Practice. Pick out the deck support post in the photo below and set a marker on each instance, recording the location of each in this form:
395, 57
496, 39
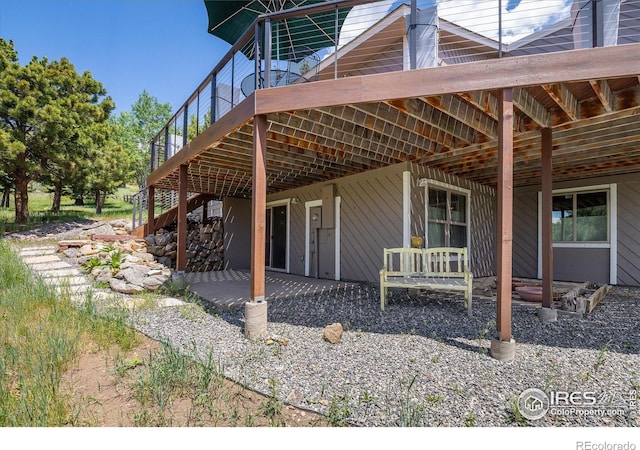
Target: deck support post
546, 313
151, 206
256, 308
181, 256
503, 347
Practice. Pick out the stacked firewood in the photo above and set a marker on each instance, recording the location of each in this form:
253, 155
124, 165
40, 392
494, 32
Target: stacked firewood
205, 246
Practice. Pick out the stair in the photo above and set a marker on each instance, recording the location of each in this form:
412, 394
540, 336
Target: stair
169, 216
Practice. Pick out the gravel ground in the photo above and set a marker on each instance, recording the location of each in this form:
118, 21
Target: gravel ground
421, 362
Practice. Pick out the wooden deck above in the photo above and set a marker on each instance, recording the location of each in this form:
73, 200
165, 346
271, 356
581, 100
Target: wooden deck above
443, 117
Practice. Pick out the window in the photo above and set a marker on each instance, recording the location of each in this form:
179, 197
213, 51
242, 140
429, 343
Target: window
580, 217
447, 221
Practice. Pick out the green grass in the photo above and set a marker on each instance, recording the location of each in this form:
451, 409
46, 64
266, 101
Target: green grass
40, 210
41, 332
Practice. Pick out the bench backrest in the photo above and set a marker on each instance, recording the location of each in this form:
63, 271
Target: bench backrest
432, 262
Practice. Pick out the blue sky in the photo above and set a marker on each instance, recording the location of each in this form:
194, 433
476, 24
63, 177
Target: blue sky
128, 45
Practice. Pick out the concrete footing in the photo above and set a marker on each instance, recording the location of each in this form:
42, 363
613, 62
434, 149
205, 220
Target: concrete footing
548, 314
255, 320
503, 350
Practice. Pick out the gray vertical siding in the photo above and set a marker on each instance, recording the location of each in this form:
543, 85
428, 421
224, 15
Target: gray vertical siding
371, 219
482, 220
236, 214
525, 233
525, 239
629, 233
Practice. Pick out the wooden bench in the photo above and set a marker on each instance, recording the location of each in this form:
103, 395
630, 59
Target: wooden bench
443, 268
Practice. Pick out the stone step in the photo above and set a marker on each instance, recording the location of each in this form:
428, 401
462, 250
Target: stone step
60, 273
40, 259
53, 265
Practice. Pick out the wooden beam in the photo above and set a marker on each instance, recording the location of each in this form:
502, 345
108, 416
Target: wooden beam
547, 209
258, 208
181, 257
531, 107
604, 93
151, 209
505, 213
558, 67
560, 94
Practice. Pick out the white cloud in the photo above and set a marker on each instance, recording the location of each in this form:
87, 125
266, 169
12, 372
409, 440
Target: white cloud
480, 17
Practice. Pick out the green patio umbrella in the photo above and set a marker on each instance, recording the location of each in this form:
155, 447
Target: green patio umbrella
228, 20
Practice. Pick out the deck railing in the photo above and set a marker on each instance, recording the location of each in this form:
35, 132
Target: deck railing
363, 37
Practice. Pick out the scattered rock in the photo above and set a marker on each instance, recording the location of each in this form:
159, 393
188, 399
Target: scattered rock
135, 274
71, 252
102, 274
294, 397
162, 238
100, 229
118, 223
123, 287
333, 333
88, 250
154, 282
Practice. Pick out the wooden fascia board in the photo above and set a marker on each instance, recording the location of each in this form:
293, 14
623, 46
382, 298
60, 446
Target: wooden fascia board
522, 71
234, 119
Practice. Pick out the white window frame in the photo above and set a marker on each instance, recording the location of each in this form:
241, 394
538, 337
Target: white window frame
612, 226
440, 185
287, 203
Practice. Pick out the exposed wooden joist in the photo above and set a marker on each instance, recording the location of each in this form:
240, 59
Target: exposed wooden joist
423, 136
483, 100
604, 93
410, 132
434, 117
350, 146
454, 107
561, 95
531, 107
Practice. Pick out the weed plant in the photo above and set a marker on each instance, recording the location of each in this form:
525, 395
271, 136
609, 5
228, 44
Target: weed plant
41, 333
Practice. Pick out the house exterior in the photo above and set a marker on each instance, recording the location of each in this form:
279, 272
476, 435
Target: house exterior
527, 153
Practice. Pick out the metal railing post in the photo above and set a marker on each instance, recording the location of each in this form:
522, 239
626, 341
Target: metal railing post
214, 96
133, 211
154, 162
267, 53
335, 52
166, 144
256, 46
198, 114
140, 207
185, 125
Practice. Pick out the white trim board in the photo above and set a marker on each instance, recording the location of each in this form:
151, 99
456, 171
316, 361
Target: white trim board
286, 202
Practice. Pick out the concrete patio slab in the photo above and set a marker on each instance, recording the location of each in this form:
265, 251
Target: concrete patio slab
230, 288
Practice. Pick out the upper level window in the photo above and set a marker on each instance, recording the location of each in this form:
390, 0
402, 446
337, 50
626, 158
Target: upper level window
580, 217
